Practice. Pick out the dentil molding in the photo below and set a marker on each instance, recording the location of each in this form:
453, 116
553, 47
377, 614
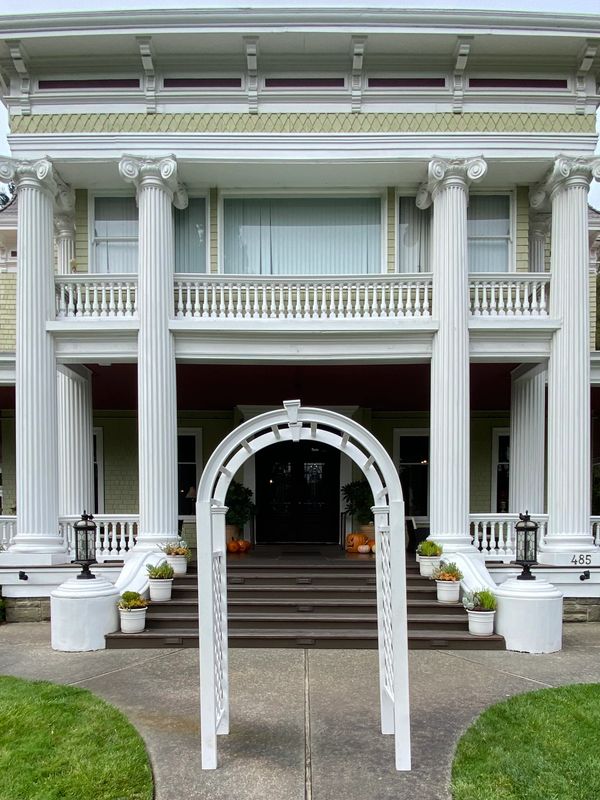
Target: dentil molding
158, 171
442, 172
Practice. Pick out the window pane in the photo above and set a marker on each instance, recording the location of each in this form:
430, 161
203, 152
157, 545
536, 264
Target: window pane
304, 236
488, 231
414, 229
504, 449
190, 236
414, 480
186, 497
116, 257
414, 449
186, 448
115, 216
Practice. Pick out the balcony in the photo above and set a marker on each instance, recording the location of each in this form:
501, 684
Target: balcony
509, 294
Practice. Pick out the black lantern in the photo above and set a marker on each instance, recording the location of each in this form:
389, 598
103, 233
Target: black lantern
85, 544
526, 533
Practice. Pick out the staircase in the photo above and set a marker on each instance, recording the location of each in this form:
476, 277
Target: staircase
305, 603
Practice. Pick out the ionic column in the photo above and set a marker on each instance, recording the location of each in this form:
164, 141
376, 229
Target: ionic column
447, 188
539, 227
158, 189
64, 227
527, 440
75, 441
569, 445
37, 540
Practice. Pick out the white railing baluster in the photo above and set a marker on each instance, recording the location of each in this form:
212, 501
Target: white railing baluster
510, 295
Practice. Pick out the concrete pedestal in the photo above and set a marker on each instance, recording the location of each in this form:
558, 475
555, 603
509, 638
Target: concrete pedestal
82, 612
529, 615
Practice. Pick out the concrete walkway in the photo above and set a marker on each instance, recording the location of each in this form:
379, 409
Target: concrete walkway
304, 724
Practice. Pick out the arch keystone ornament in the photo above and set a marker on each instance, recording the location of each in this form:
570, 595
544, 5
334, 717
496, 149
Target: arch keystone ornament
293, 423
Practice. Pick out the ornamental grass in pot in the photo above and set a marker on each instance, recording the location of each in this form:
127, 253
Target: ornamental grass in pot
447, 578
132, 611
481, 609
429, 553
161, 581
177, 554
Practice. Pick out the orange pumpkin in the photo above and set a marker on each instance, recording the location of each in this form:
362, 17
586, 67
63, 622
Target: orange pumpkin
233, 546
353, 540
244, 545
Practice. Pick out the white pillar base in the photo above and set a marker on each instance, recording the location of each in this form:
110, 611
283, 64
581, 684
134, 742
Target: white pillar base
455, 543
529, 615
569, 551
31, 558
149, 542
82, 612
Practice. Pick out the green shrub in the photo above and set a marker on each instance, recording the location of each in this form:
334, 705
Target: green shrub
239, 504
130, 600
160, 572
359, 500
429, 548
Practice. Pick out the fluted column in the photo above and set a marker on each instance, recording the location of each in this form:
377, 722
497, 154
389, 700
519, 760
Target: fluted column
64, 227
527, 440
158, 189
75, 441
447, 188
569, 444
37, 540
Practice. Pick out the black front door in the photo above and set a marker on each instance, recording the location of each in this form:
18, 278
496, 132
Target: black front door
297, 493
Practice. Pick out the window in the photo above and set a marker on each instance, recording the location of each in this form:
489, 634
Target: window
411, 454
302, 236
115, 242
500, 470
488, 233
414, 232
190, 236
189, 463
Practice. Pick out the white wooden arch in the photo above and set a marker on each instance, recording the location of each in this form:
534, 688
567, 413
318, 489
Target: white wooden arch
294, 423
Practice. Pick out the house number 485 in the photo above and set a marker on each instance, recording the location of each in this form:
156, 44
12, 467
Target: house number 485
582, 560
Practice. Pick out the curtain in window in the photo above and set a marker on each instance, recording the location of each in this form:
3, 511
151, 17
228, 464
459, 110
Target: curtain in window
488, 232
414, 233
190, 236
302, 236
115, 234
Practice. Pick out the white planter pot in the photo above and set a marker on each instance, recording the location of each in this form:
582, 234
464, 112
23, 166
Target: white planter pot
448, 591
132, 620
427, 564
179, 564
481, 623
160, 589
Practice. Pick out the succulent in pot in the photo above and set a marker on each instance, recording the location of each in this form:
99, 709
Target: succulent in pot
447, 578
132, 611
429, 553
481, 610
177, 554
161, 581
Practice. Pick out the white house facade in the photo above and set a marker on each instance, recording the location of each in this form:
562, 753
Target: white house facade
382, 213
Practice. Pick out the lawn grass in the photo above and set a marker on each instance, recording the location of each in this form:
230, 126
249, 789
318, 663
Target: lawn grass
541, 745
63, 743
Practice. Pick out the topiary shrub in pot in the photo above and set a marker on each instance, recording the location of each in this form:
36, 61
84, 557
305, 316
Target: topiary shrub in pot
161, 581
177, 554
481, 609
359, 501
132, 611
447, 578
429, 553
239, 509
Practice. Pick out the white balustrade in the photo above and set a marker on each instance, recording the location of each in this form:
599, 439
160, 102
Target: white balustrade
595, 523
509, 295
494, 534
8, 529
96, 296
115, 535
222, 297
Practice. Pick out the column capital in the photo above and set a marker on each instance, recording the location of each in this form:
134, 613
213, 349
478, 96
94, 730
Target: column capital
566, 171
38, 174
64, 226
160, 172
443, 172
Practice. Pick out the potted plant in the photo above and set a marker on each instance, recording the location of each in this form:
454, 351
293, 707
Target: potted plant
481, 608
359, 501
447, 578
429, 553
177, 554
239, 509
132, 610
161, 581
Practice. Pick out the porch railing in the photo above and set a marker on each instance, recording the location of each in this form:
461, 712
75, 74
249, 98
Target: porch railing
494, 534
115, 535
595, 521
509, 295
96, 296
220, 297
8, 528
